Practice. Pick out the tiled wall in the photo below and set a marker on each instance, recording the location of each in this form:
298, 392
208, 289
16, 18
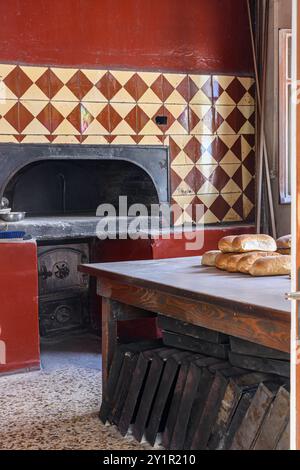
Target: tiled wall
210, 129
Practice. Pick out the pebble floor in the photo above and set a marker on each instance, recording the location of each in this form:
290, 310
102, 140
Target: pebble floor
57, 408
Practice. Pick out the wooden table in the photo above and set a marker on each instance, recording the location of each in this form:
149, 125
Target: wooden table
250, 308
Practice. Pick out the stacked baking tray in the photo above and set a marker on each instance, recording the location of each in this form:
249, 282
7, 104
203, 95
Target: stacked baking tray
185, 393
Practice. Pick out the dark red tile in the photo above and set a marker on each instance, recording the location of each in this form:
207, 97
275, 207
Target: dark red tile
43, 83
141, 119
236, 120
236, 90
55, 84
45, 117
219, 178
239, 207
199, 179
85, 85
184, 88
218, 149
108, 85
183, 119
56, 118
238, 177
18, 82
131, 119
175, 181
73, 85
114, 118
167, 88
104, 117
75, 118
174, 149
220, 208
217, 90
12, 117
25, 117
193, 150
157, 87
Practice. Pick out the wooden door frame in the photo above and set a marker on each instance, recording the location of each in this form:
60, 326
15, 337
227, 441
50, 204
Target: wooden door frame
295, 206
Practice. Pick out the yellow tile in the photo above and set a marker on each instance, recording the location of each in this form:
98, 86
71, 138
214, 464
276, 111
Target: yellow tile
94, 75
175, 78
247, 206
208, 198
231, 198
95, 140
95, 128
246, 149
231, 169
5, 139
247, 177
150, 140
64, 73
209, 218
225, 99
232, 216
207, 188
35, 139
123, 109
122, 97
66, 128
65, 139
122, 76
5, 126
33, 72
183, 170
123, 140
200, 97
65, 107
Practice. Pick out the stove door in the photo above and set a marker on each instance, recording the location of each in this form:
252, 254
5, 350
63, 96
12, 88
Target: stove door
58, 268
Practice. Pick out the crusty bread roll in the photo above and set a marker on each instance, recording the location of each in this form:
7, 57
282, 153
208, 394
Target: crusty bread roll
233, 261
284, 243
284, 251
225, 244
209, 258
246, 243
222, 260
249, 259
271, 266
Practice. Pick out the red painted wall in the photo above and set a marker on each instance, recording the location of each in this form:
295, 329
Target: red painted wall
188, 35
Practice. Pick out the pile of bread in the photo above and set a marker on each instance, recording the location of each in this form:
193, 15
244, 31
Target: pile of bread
258, 255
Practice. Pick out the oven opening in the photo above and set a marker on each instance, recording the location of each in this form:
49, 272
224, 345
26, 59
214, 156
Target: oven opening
77, 187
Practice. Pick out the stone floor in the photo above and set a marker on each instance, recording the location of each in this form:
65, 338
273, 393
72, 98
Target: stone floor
57, 407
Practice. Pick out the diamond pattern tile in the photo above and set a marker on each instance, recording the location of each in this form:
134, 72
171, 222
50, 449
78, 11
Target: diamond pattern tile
201, 119
233, 90
210, 128
234, 119
200, 89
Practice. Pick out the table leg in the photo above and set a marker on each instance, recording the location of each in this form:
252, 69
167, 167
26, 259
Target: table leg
109, 339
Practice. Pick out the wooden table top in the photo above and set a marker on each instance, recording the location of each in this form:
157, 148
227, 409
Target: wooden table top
187, 278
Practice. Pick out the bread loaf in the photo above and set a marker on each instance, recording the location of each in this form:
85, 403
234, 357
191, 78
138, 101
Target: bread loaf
271, 266
246, 243
225, 244
284, 251
284, 243
233, 261
209, 258
222, 261
249, 259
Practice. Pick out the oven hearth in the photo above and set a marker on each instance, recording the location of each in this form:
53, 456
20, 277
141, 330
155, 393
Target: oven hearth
60, 188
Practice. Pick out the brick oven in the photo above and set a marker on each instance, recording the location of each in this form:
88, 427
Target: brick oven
60, 188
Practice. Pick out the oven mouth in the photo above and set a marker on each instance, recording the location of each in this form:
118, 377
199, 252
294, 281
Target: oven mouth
78, 187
